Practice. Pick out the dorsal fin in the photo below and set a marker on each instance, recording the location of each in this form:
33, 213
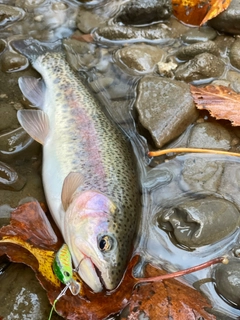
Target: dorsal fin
35, 123
72, 181
33, 89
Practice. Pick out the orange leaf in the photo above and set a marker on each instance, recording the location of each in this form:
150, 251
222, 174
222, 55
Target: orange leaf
197, 12
220, 101
35, 246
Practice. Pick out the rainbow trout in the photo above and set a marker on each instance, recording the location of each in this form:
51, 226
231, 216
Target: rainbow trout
89, 176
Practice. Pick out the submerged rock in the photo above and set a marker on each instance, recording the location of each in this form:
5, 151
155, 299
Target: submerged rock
200, 222
10, 179
203, 66
200, 175
209, 135
139, 58
165, 108
144, 11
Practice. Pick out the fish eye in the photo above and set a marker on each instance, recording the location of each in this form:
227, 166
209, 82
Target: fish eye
105, 243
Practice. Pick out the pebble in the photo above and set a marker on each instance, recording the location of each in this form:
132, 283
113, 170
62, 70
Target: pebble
235, 54
190, 51
159, 34
199, 34
203, 66
227, 279
144, 11
12, 61
139, 58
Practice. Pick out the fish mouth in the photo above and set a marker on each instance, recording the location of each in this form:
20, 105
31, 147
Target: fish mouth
91, 275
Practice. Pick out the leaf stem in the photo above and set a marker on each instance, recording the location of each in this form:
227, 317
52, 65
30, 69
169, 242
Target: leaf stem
185, 271
193, 150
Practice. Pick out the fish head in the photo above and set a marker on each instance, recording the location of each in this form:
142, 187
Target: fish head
94, 240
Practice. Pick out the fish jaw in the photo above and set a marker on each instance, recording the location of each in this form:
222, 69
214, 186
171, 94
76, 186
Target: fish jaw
87, 219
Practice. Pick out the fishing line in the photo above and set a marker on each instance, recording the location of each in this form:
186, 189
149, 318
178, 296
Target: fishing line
62, 293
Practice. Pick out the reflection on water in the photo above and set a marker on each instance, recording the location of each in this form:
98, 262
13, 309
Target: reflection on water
190, 204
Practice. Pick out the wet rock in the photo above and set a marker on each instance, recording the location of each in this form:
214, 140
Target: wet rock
229, 20
201, 222
203, 66
199, 174
235, 54
12, 61
144, 11
199, 34
127, 33
139, 58
190, 51
165, 108
224, 43
9, 14
209, 135
227, 279
21, 295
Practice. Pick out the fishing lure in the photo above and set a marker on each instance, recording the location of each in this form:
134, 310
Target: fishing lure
62, 267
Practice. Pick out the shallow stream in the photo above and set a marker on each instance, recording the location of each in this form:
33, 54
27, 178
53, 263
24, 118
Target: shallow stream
190, 203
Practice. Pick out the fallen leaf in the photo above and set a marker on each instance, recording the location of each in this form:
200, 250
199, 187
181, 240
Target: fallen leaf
170, 298
24, 243
220, 101
197, 12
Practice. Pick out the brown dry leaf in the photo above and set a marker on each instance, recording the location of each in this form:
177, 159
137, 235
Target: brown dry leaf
35, 246
220, 101
169, 299
197, 12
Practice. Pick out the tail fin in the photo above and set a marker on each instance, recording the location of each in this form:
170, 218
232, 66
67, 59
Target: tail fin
32, 48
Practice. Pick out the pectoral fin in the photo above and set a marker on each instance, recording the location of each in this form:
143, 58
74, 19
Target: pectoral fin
33, 89
70, 185
35, 123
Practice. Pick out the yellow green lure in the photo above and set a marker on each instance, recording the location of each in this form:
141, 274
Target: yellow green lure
62, 267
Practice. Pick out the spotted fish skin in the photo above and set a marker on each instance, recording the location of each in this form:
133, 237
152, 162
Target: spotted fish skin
81, 139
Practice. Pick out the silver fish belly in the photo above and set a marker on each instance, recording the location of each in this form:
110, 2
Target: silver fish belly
89, 174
